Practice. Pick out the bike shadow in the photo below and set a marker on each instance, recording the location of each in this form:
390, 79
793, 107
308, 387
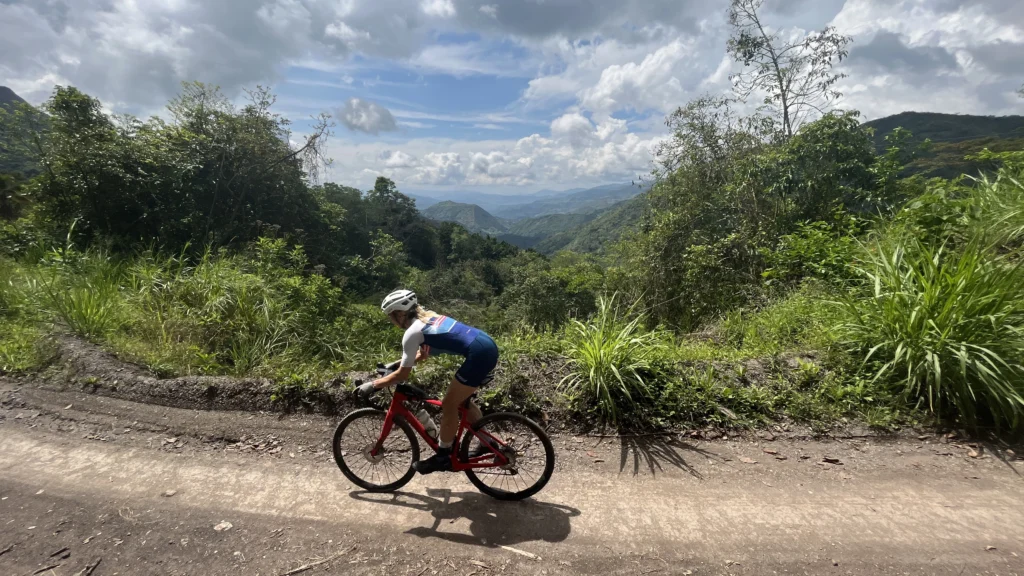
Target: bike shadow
493, 522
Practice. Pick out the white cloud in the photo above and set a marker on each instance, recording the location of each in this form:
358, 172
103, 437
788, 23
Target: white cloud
578, 151
574, 128
472, 59
348, 35
366, 116
397, 159
653, 84
491, 10
439, 8
931, 55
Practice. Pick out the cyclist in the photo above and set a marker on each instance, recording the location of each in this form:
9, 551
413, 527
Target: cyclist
425, 332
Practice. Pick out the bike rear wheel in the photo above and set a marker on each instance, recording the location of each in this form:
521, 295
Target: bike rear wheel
388, 470
527, 447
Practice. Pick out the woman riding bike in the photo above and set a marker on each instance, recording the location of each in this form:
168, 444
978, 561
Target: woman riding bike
426, 332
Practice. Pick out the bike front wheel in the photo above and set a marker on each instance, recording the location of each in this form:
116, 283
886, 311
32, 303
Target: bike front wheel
522, 442
389, 469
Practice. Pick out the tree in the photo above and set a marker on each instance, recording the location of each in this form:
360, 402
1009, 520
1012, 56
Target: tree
212, 175
795, 74
396, 214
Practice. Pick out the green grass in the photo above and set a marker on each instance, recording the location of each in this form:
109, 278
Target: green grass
611, 360
20, 348
945, 327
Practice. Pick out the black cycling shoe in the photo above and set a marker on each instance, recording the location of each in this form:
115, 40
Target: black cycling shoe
439, 462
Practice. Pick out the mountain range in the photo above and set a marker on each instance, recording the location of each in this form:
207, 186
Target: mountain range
547, 219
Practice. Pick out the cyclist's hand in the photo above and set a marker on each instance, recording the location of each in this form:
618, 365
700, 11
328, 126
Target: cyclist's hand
366, 390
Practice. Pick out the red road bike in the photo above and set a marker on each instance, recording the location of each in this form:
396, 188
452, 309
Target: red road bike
505, 455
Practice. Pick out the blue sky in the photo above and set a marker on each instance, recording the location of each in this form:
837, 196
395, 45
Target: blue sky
499, 96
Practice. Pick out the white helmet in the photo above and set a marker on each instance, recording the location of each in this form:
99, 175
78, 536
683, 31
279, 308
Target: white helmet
403, 300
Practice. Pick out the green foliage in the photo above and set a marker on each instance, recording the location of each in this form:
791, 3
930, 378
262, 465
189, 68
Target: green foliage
611, 361
815, 250
945, 326
545, 294
798, 322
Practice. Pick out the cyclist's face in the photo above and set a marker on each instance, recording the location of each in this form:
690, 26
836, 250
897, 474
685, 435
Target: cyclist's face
397, 318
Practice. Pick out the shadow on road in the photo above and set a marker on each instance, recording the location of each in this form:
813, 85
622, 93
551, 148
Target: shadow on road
492, 522
653, 452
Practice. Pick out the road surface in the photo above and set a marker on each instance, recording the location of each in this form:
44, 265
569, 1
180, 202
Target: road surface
141, 489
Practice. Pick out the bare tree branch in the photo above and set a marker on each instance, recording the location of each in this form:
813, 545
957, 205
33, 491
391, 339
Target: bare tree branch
797, 76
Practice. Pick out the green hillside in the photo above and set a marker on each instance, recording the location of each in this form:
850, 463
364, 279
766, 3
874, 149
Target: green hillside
11, 160
947, 127
544, 226
594, 236
470, 216
953, 137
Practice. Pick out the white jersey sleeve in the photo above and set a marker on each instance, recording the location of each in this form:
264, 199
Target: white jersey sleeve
411, 342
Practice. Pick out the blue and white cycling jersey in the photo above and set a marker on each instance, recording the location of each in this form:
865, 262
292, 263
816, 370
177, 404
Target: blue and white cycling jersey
442, 335
446, 335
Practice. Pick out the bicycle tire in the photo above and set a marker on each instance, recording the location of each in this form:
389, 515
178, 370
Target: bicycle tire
549, 456
339, 453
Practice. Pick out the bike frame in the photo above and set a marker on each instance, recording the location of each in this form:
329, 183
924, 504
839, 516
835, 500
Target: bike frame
398, 409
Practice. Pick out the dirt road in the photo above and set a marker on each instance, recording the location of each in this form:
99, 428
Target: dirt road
143, 490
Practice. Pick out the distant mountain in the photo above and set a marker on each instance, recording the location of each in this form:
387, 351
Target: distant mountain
12, 160
487, 201
954, 137
606, 228
470, 216
544, 226
8, 97
585, 201
422, 202
947, 127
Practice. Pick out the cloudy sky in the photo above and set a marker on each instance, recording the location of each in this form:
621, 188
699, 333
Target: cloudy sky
496, 95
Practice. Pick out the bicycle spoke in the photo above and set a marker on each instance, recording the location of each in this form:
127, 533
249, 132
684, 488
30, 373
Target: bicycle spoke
390, 462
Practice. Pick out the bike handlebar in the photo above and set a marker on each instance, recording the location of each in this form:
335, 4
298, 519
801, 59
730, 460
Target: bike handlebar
382, 370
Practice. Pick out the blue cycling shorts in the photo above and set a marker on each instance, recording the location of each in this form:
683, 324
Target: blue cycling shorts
481, 358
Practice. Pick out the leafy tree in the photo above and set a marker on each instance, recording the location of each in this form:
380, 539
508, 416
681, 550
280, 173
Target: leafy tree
729, 191
13, 196
546, 294
396, 214
796, 76
213, 175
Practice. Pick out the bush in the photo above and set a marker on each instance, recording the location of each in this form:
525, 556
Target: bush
945, 327
798, 321
611, 360
816, 250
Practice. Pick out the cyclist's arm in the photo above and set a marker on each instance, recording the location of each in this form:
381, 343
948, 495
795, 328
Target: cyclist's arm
400, 375
412, 342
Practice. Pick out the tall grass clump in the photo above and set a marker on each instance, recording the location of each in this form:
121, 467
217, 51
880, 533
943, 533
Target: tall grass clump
80, 290
944, 326
999, 201
612, 360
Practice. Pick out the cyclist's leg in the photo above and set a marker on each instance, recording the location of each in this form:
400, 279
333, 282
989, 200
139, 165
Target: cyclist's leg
482, 357
457, 394
442, 460
473, 413
478, 371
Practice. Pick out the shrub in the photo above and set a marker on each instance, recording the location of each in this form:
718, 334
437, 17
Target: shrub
611, 360
946, 327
